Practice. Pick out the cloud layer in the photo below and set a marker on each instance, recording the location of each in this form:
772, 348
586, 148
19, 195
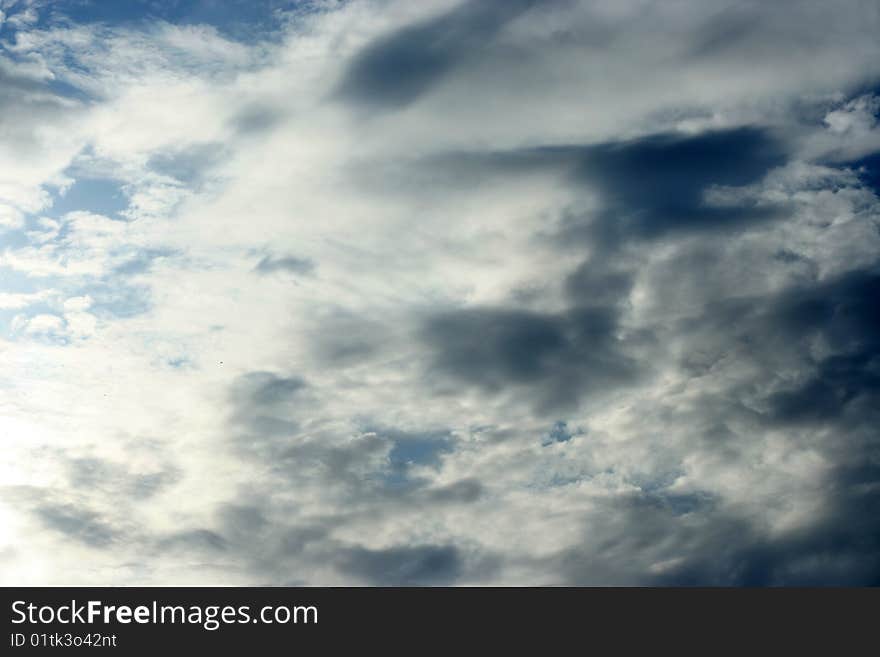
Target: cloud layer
440, 293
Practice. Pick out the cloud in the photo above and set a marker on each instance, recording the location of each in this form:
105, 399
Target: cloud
648, 186
460, 293
656, 184
394, 70
556, 358
405, 566
79, 524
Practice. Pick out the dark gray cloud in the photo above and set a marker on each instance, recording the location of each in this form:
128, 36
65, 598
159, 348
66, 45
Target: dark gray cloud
655, 185
598, 283
417, 565
778, 333
840, 549
657, 539
395, 70
845, 315
555, 358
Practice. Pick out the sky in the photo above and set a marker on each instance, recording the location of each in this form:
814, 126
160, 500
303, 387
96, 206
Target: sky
376, 292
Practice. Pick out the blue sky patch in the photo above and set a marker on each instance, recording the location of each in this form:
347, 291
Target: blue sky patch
97, 195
